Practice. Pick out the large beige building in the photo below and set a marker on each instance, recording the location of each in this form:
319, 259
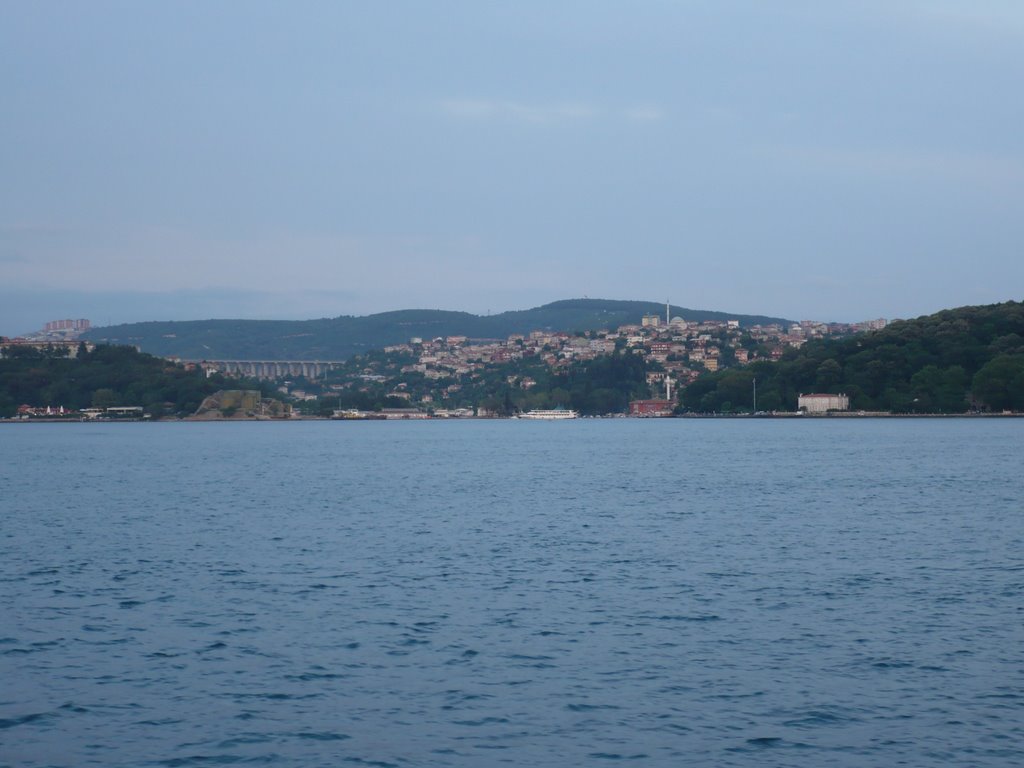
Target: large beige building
823, 403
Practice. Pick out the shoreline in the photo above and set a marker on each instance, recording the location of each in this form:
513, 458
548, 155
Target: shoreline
736, 416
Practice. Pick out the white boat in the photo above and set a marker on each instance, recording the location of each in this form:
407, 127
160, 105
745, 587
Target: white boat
550, 415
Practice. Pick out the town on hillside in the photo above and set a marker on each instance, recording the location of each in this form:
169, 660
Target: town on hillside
967, 360
637, 369
457, 376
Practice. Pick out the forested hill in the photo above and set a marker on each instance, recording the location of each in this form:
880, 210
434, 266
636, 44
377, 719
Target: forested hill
340, 337
107, 376
949, 362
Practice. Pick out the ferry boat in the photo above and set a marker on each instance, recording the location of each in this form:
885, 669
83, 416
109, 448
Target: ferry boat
549, 415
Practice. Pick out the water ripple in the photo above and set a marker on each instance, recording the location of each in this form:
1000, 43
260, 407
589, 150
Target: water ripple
705, 593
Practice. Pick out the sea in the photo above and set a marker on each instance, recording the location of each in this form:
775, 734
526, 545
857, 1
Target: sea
681, 592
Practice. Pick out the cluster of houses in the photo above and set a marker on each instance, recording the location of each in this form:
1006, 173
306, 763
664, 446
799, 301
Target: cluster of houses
67, 347
56, 334
680, 349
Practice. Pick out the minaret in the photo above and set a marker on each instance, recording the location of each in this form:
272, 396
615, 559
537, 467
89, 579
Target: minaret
667, 318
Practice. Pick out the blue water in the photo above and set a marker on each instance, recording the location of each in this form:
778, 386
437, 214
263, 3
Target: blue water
664, 593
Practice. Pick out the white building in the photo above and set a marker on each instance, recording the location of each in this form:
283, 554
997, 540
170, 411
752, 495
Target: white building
823, 403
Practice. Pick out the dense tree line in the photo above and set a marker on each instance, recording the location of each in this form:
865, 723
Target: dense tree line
107, 376
607, 384
593, 387
950, 362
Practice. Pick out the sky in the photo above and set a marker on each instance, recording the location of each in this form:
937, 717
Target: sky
190, 160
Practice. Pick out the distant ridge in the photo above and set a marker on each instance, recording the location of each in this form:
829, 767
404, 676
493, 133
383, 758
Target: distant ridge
341, 337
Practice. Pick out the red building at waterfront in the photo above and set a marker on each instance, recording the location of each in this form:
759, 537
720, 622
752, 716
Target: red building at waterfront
651, 408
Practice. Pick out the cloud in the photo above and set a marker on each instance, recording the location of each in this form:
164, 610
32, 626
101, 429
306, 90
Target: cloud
513, 111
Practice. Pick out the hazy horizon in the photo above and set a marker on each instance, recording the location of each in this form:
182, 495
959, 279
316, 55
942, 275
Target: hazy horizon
187, 306
143, 300
832, 161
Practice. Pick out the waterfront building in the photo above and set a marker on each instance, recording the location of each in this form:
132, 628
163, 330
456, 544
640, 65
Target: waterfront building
822, 403
404, 413
651, 408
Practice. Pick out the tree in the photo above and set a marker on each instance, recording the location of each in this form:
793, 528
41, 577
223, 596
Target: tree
951, 395
1000, 383
917, 365
104, 398
737, 389
828, 375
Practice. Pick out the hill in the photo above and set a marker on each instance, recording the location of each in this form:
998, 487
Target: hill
106, 376
949, 362
341, 337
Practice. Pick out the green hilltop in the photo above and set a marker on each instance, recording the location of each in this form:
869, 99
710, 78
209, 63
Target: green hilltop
949, 362
341, 337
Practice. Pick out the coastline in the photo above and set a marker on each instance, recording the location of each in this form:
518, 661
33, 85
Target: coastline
734, 416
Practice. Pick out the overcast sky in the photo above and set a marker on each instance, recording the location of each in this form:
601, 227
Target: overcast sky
827, 160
